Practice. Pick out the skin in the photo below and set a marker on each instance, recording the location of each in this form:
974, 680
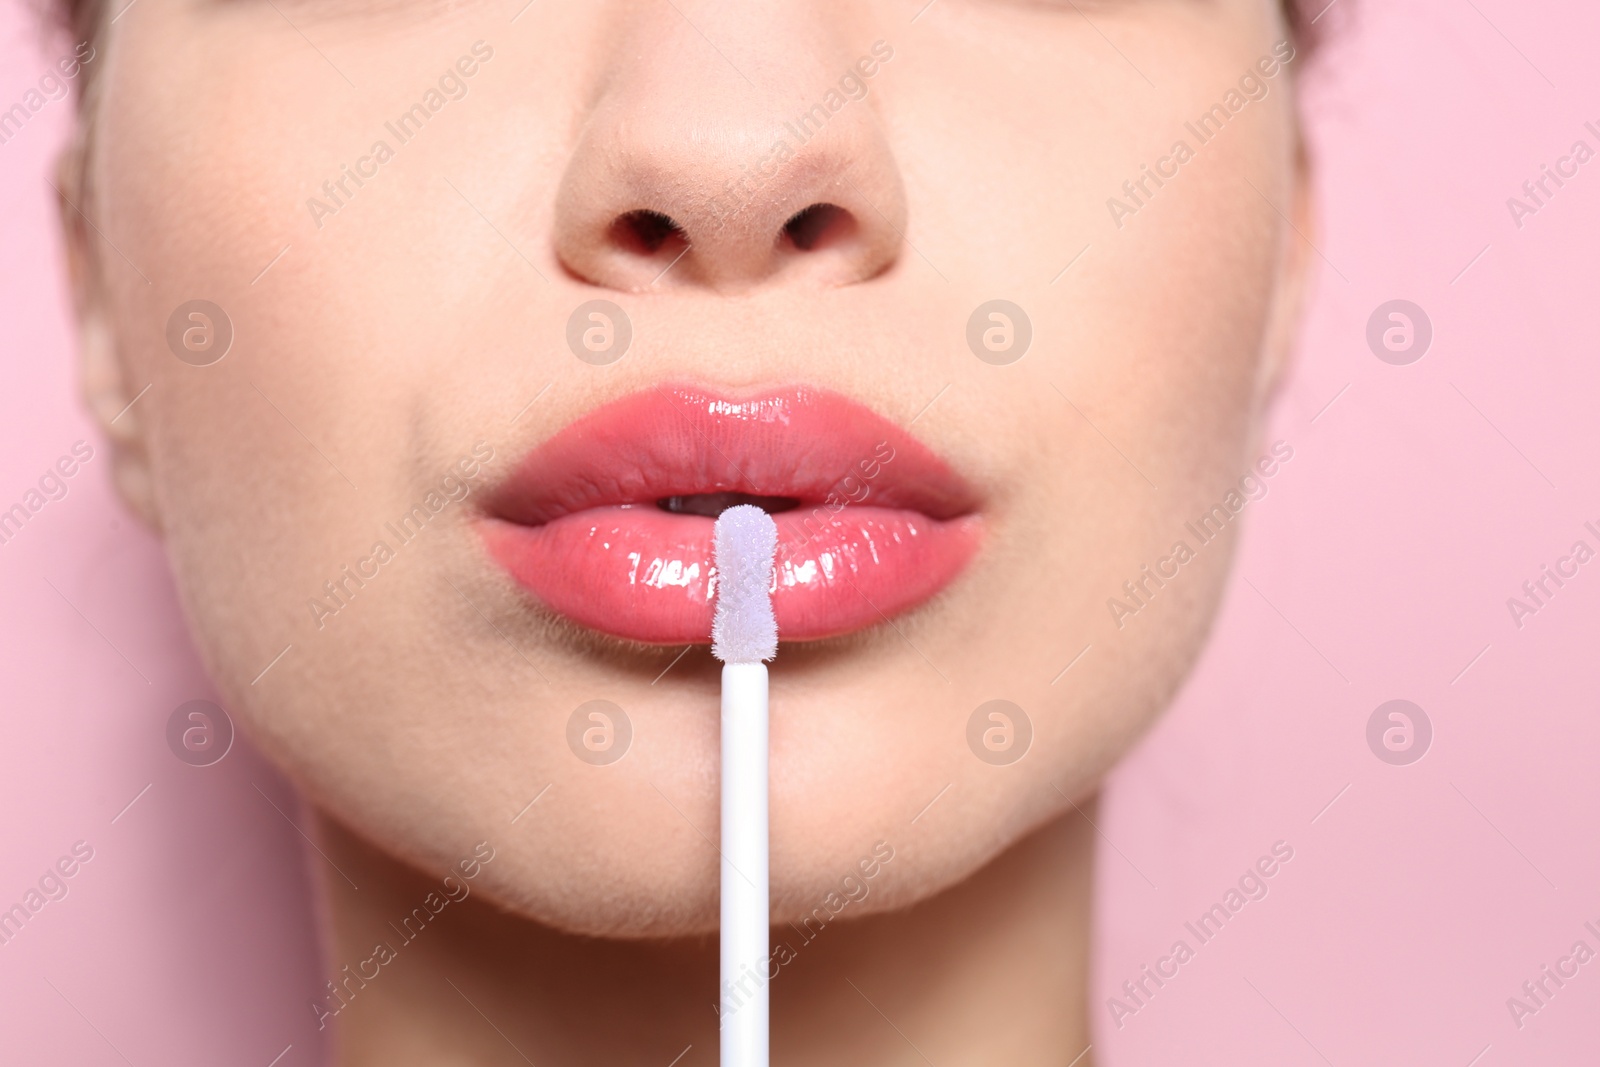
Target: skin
427, 314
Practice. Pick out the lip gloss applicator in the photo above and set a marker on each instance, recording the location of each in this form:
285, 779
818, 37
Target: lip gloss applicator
744, 633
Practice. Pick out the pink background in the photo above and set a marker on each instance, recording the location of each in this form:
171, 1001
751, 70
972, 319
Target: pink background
1378, 567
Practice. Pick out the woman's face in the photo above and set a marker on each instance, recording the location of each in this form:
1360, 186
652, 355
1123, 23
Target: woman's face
434, 499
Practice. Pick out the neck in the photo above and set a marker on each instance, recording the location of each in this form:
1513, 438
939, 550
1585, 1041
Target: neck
992, 970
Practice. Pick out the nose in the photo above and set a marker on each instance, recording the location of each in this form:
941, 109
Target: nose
753, 156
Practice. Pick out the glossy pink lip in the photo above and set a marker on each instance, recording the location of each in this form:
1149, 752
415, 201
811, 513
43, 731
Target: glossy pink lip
882, 524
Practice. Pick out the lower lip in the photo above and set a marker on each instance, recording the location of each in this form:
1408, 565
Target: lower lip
644, 574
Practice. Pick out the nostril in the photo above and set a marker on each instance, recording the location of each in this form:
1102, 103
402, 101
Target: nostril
819, 225
644, 231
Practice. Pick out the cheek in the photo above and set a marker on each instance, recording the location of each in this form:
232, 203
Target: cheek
1132, 413
313, 429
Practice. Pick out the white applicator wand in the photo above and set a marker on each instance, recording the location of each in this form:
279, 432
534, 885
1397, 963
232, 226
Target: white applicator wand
743, 634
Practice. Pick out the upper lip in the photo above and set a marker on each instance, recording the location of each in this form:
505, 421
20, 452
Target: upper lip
801, 442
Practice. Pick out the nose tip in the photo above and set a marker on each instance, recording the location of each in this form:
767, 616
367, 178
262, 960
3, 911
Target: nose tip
695, 185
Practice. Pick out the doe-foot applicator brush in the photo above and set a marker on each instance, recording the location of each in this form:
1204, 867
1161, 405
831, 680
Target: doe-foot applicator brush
743, 635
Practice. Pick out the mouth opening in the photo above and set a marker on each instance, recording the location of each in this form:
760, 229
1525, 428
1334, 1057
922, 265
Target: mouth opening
713, 504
